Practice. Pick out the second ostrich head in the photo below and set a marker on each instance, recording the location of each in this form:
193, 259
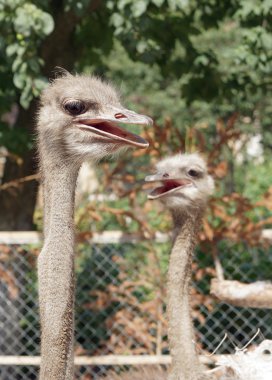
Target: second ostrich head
185, 182
80, 117
185, 186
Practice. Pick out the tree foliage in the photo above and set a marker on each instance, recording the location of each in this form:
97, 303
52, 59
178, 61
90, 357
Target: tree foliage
217, 51
23, 27
196, 60
220, 49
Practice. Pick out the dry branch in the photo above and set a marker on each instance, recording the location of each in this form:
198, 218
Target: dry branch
257, 294
105, 360
19, 181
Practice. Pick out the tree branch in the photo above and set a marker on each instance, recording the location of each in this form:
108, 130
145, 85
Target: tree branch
19, 181
257, 294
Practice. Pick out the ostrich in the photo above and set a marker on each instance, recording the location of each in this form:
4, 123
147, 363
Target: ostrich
77, 121
184, 190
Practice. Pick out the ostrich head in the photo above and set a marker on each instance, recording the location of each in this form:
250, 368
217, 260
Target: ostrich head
81, 116
185, 182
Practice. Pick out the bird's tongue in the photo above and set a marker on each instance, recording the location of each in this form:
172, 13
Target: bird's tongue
112, 130
167, 185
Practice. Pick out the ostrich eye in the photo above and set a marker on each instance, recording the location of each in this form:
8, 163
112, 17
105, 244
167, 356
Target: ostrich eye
266, 352
193, 173
75, 107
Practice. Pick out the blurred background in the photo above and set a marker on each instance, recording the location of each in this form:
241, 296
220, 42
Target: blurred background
202, 69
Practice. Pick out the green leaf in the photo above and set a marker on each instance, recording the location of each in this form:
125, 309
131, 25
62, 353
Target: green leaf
16, 64
33, 63
11, 49
47, 23
141, 46
158, 3
117, 20
121, 4
139, 7
19, 80
39, 85
26, 95
175, 4
202, 60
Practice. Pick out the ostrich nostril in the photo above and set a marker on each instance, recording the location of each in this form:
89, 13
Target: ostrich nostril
165, 175
120, 116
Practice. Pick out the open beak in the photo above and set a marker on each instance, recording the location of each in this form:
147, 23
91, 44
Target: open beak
167, 186
107, 125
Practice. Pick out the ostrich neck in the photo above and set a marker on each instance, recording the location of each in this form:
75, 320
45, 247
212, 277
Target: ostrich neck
56, 271
59, 192
185, 365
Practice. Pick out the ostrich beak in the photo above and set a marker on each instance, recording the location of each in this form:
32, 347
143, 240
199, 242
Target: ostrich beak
124, 115
168, 184
106, 124
157, 177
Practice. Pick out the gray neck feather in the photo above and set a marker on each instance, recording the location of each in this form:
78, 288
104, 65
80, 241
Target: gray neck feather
56, 271
185, 364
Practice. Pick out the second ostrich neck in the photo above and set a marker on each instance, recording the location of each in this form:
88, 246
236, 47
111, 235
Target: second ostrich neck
185, 365
56, 270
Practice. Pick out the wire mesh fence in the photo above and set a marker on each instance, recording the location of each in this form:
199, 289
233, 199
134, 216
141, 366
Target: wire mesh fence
120, 302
